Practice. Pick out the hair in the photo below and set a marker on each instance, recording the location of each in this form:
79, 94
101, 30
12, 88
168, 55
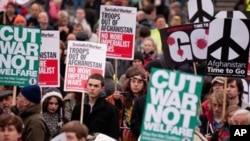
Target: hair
152, 40
97, 76
144, 31
242, 112
78, 25
79, 129
8, 119
127, 86
238, 83
158, 17
45, 104
63, 15
218, 95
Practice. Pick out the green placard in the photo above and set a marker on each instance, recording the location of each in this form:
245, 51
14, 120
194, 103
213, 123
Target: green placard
19, 55
172, 105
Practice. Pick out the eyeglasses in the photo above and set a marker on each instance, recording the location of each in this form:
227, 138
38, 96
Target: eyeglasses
136, 80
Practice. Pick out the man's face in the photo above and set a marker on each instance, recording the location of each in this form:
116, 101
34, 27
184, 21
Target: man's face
9, 133
94, 88
5, 103
71, 136
21, 102
35, 10
80, 14
241, 119
232, 90
216, 107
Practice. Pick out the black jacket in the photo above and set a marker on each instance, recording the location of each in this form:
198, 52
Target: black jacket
137, 115
103, 117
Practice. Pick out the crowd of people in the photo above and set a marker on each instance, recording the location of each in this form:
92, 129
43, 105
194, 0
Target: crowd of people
114, 103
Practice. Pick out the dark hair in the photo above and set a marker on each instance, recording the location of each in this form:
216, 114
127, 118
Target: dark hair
46, 104
8, 119
76, 127
97, 76
158, 17
144, 31
238, 83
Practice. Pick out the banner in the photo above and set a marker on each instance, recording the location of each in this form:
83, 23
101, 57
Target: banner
49, 70
185, 43
19, 55
171, 107
3, 4
117, 30
228, 47
83, 59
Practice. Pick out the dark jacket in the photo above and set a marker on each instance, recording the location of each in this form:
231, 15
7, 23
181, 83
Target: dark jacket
103, 117
35, 128
137, 115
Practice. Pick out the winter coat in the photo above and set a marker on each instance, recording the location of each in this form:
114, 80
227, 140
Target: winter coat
35, 128
101, 118
137, 115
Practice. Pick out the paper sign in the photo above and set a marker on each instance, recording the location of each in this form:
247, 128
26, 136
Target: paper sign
117, 30
19, 55
83, 59
171, 107
49, 71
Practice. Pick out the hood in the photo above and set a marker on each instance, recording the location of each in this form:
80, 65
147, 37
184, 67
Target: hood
109, 70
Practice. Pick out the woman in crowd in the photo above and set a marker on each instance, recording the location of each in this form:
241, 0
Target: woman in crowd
52, 108
11, 127
149, 50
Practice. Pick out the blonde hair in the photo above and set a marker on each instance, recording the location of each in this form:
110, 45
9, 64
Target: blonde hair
63, 15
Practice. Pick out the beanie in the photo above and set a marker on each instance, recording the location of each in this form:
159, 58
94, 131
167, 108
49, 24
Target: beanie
32, 93
153, 64
18, 19
138, 55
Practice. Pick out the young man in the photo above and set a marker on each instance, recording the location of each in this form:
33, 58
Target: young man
11, 127
235, 92
5, 101
28, 105
99, 115
75, 131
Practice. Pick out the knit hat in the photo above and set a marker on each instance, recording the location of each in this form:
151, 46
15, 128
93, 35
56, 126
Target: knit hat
32, 93
19, 19
218, 79
53, 93
138, 55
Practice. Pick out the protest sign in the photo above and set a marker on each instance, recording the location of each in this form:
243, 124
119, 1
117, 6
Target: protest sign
228, 47
3, 4
83, 59
185, 43
171, 107
117, 30
19, 55
200, 10
49, 71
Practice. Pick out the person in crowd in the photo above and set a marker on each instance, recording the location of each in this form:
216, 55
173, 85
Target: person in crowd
149, 50
241, 117
11, 127
8, 17
52, 111
20, 21
138, 62
212, 120
5, 101
80, 18
77, 28
63, 25
142, 20
29, 107
142, 32
70, 101
235, 92
216, 83
175, 20
223, 134
109, 82
43, 21
99, 115
35, 10
54, 9
75, 131
160, 22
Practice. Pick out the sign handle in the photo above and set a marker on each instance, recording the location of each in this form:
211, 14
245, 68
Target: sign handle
82, 107
14, 96
116, 73
194, 66
224, 98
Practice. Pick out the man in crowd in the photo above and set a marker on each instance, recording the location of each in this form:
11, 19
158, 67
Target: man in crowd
5, 101
235, 92
241, 117
99, 115
28, 105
